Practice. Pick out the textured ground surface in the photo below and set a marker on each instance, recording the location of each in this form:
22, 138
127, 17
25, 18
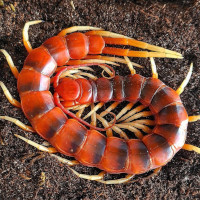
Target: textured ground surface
171, 24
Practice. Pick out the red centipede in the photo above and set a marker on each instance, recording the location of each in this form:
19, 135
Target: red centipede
89, 147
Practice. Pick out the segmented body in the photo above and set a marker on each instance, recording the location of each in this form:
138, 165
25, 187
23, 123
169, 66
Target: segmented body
90, 147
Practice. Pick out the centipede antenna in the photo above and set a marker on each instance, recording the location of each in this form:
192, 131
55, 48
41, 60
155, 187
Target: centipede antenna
18, 123
13, 101
13, 68
194, 118
190, 147
153, 68
186, 80
77, 28
130, 66
36, 145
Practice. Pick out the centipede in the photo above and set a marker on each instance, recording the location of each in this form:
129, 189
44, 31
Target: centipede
58, 61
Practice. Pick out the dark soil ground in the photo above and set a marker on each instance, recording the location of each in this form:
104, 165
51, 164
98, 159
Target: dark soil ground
171, 24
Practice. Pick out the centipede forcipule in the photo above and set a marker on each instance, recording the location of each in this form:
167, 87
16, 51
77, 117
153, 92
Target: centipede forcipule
90, 147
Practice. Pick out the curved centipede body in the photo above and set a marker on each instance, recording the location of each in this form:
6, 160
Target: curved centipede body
90, 147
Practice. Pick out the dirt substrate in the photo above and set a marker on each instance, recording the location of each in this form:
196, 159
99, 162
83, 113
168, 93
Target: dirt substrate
171, 24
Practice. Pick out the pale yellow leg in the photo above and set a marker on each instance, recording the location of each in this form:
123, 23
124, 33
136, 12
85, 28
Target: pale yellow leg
118, 181
91, 76
18, 123
153, 68
190, 147
10, 63
80, 112
93, 116
25, 34
79, 107
111, 59
130, 66
186, 80
50, 150
106, 125
36, 145
13, 101
86, 61
194, 118
65, 161
89, 177
109, 109
121, 133
131, 113
77, 28
124, 110
97, 107
137, 132
145, 121
138, 115
145, 128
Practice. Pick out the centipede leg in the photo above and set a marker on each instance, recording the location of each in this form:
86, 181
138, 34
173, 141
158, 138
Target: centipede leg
93, 116
10, 63
153, 68
109, 109
65, 161
190, 147
18, 123
97, 107
89, 177
194, 118
118, 181
38, 146
186, 80
13, 101
26, 42
78, 62
49, 150
131, 113
111, 59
